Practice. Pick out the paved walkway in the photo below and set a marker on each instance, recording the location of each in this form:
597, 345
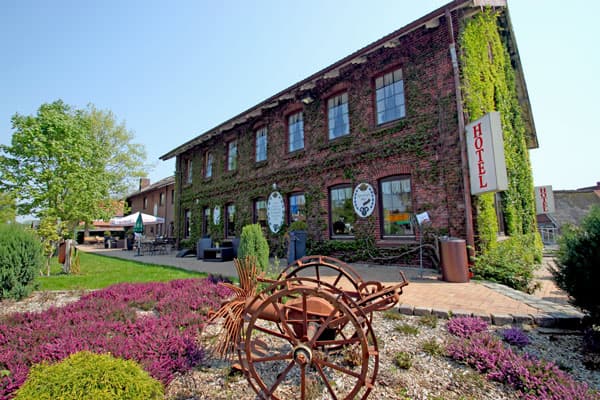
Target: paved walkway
427, 293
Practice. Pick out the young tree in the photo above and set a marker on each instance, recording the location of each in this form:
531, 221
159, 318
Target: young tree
69, 164
8, 208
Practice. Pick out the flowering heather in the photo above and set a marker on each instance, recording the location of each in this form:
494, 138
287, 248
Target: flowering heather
535, 379
466, 326
155, 324
515, 336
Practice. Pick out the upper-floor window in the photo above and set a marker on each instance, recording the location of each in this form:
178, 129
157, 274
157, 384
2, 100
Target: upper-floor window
396, 206
172, 196
389, 94
232, 155
296, 132
161, 199
209, 164
342, 211
297, 207
145, 204
261, 144
337, 110
188, 171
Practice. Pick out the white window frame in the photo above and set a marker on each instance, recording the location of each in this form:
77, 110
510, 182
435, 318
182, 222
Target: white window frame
261, 144
296, 132
390, 102
337, 116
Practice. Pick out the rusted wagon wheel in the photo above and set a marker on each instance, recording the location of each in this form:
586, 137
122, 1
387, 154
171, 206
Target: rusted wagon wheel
326, 269
301, 358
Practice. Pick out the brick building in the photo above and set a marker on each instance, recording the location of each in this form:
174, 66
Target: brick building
156, 199
389, 115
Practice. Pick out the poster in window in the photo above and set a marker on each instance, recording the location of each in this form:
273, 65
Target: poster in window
364, 200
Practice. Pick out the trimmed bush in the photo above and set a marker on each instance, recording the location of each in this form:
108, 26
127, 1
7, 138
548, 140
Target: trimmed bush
578, 270
511, 262
21, 259
87, 375
253, 243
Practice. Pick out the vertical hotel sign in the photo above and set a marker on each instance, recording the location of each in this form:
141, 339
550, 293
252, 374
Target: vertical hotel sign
544, 199
485, 148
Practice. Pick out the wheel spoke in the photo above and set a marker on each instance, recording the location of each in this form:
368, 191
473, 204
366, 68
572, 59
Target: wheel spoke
281, 377
339, 368
279, 357
283, 320
271, 332
322, 374
322, 327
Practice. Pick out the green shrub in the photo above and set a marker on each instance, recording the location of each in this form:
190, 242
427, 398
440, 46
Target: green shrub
578, 269
87, 375
407, 329
511, 262
403, 360
253, 243
21, 259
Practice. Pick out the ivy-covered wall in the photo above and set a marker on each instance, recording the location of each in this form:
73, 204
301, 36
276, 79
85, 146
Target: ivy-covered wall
488, 81
424, 145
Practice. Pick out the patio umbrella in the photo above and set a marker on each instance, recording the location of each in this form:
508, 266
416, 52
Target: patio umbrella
139, 228
130, 220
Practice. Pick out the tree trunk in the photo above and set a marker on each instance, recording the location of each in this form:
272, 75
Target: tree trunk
67, 264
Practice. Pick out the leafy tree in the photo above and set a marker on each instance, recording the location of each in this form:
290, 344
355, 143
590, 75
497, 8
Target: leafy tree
8, 208
69, 164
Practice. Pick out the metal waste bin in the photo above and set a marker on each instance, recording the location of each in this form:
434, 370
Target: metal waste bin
455, 266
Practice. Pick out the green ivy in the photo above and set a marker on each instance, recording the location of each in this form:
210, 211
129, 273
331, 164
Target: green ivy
489, 84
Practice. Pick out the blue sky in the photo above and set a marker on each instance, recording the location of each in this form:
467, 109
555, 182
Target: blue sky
173, 70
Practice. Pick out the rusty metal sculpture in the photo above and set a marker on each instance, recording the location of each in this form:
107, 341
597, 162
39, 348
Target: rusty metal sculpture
309, 332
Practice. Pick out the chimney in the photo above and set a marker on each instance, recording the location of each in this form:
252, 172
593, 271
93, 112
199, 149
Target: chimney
144, 183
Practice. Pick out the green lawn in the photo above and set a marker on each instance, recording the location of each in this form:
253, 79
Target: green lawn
100, 271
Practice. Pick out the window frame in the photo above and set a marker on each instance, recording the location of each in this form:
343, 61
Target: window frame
345, 115
187, 223
232, 155
332, 233
384, 99
161, 199
226, 220
206, 211
289, 208
208, 164
409, 211
299, 122
189, 171
257, 147
255, 212
145, 203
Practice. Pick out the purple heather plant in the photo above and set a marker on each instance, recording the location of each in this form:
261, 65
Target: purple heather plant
163, 341
533, 378
466, 326
515, 336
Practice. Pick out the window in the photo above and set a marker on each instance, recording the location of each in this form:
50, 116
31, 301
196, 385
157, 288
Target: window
172, 196
187, 224
232, 156
297, 207
209, 165
260, 212
161, 199
337, 109
205, 220
396, 206
389, 94
296, 132
230, 220
145, 205
261, 144
342, 211
189, 171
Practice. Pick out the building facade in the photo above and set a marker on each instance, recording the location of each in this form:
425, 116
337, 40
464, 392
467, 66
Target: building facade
157, 199
386, 121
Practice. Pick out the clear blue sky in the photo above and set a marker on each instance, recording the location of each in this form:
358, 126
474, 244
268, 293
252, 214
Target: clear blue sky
174, 69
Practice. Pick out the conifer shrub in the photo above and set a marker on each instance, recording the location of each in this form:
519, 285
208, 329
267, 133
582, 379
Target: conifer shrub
86, 375
253, 243
578, 269
21, 259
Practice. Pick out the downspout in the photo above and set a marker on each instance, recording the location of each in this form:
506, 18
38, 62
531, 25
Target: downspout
461, 137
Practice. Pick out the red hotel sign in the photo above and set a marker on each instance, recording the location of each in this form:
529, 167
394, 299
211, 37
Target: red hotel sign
485, 148
544, 199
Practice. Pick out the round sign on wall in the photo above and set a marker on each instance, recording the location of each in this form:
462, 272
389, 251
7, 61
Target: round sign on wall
217, 215
275, 211
364, 200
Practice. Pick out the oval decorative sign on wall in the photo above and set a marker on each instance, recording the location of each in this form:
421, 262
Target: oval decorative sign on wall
364, 200
275, 211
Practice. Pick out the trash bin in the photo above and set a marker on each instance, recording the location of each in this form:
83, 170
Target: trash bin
455, 266
297, 247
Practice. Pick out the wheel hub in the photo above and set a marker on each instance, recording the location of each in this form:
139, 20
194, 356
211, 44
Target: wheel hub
302, 354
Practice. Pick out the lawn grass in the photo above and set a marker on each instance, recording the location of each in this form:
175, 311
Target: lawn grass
100, 271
